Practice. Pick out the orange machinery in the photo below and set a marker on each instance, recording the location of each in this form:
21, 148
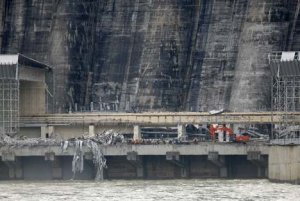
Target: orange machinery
243, 137
214, 128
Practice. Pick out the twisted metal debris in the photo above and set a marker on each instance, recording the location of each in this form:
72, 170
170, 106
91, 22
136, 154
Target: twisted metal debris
95, 145
78, 161
23, 142
98, 159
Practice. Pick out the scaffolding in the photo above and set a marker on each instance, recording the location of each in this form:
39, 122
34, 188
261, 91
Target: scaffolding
285, 93
9, 106
16, 70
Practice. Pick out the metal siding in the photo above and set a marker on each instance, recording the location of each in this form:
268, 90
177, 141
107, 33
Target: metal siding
9, 59
287, 68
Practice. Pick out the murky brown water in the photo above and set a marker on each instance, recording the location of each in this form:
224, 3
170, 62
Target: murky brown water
149, 190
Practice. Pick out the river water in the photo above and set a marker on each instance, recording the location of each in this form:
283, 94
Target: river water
149, 190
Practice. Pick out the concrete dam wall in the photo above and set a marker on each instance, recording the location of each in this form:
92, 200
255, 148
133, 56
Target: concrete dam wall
149, 55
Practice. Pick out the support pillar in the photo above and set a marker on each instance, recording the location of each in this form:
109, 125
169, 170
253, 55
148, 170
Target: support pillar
91, 130
51, 131
137, 162
174, 158
181, 131
259, 161
219, 161
57, 171
137, 135
14, 165
47, 131
43, 132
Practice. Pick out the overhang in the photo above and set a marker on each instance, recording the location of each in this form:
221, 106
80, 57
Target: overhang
285, 68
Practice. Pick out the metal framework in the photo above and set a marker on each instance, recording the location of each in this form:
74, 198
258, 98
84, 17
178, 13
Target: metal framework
9, 99
286, 99
285, 94
9, 106
13, 69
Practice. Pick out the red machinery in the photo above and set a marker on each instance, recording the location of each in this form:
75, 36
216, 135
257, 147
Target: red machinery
215, 128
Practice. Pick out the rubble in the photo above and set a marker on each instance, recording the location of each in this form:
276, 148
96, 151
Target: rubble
22, 142
95, 145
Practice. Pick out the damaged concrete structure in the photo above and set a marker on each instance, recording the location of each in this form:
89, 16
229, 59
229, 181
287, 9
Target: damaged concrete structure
139, 55
203, 160
194, 55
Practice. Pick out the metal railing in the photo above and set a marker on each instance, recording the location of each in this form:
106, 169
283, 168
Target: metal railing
287, 141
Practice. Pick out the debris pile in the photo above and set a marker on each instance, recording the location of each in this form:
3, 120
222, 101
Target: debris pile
23, 142
109, 137
95, 145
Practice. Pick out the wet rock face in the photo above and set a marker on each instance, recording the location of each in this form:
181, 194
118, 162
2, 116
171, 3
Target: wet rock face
138, 55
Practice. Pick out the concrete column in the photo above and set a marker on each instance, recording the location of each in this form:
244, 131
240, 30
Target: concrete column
137, 162
55, 164
259, 161
44, 131
91, 130
137, 135
174, 158
51, 130
181, 132
15, 170
219, 161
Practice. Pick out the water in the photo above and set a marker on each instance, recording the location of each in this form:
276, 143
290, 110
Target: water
149, 190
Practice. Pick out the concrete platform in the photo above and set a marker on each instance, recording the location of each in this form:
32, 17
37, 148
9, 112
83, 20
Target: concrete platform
202, 148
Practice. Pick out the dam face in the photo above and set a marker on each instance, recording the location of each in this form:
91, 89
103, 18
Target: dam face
129, 65
193, 55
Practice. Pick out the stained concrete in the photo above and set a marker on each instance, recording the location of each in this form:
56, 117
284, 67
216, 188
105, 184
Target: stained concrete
36, 168
120, 168
4, 171
150, 55
200, 167
156, 167
240, 167
284, 164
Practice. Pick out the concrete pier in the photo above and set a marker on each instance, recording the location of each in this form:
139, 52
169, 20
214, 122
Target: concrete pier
284, 163
137, 135
181, 131
127, 161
